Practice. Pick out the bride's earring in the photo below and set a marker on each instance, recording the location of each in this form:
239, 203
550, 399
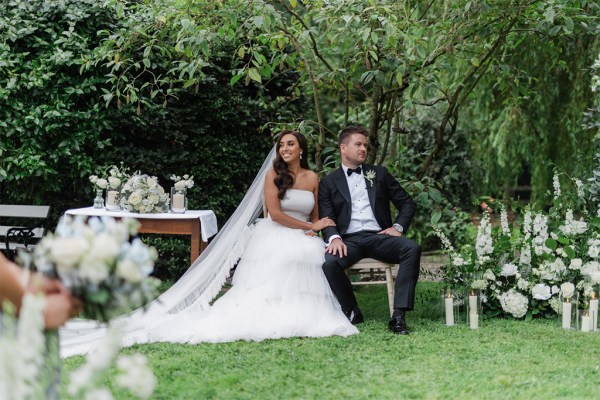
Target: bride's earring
301, 156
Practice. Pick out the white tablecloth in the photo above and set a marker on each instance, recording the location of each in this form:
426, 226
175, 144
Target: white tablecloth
208, 219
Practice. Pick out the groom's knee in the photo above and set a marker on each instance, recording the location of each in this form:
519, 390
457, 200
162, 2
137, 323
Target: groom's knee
332, 265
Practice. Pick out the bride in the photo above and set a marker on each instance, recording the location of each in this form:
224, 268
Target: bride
279, 289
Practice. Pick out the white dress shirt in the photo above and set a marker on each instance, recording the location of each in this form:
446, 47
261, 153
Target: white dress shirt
362, 217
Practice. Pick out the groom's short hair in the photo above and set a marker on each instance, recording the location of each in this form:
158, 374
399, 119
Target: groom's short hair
351, 130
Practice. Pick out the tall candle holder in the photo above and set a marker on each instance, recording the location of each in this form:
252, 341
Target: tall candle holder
593, 310
569, 316
587, 312
474, 309
452, 302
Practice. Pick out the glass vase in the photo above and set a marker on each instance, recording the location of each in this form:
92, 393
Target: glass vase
113, 198
568, 312
178, 200
451, 304
99, 200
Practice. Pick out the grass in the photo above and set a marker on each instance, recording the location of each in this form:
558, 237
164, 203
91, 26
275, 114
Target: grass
504, 359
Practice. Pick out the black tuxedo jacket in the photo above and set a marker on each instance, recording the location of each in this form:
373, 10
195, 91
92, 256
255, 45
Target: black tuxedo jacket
335, 202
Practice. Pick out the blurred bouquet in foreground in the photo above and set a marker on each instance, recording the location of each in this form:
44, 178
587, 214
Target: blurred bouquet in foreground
99, 263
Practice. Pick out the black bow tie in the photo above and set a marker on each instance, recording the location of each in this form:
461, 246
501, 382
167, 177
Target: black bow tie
355, 170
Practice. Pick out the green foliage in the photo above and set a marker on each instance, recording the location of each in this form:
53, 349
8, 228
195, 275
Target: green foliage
50, 122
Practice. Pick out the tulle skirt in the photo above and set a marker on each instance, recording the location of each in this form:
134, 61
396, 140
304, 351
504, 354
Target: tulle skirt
279, 291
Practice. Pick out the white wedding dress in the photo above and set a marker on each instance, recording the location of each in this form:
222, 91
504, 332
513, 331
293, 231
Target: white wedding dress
279, 290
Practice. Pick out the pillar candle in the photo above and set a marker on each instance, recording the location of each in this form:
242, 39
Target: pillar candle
566, 315
593, 314
449, 303
585, 323
178, 201
474, 320
472, 304
111, 198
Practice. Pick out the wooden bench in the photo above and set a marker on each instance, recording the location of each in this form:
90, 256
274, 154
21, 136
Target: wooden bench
21, 226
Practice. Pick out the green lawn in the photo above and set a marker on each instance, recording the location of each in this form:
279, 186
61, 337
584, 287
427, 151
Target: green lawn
503, 359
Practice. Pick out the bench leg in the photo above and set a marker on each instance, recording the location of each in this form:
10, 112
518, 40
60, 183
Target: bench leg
390, 288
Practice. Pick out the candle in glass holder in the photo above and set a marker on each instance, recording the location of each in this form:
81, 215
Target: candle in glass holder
472, 303
449, 303
566, 314
111, 198
593, 312
178, 200
585, 323
474, 320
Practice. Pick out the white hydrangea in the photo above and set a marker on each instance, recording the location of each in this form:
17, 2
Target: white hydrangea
514, 303
489, 275
522, 284
567, 289
556, 305
479, 284
594, 248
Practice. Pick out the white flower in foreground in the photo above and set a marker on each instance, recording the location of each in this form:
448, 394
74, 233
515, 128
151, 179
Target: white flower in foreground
541, 291
94, 271
136, 376
509, 270
129, 270
104, 247
66, 252
567, 290
514, 303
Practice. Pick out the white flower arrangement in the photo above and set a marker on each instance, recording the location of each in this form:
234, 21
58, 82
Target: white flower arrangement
514, 303
98, 263
185, 182
99, 183
143, 194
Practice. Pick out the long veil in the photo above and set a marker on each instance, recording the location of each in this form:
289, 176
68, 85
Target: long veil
192, 292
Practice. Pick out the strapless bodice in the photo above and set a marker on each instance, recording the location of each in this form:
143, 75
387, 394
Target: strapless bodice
298, 203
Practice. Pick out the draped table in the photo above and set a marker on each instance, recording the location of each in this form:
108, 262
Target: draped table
200, 224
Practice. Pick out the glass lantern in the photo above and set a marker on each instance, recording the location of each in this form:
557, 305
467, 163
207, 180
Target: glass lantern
452, 303
178, 200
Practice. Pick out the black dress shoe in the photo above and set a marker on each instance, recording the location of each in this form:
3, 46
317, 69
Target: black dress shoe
355, 316
398, 325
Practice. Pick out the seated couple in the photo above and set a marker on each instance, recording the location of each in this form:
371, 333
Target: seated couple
290, 282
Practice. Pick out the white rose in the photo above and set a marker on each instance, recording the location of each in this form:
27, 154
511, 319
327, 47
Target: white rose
595, 276
67, 252
593, 251
522, 284
576, 263
509, 270
114, 182
567, 289
180, 185
135, 198
554, 289
489, 275
151, 182
128, 270
101, 183
104, 248
541, 292
153, 198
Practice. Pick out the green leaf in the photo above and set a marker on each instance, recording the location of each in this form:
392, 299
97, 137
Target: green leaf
570, 252
551, 244
475, 61
293, 3
435, 195
234, 79
435, 217
146, 62
563, 240
254, 75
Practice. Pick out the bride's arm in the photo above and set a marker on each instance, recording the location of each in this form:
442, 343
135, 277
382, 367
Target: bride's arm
274, 207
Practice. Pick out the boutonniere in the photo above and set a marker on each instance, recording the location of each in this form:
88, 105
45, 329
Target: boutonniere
370, 175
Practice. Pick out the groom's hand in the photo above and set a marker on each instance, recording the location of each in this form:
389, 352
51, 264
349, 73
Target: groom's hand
390, 231
337, 247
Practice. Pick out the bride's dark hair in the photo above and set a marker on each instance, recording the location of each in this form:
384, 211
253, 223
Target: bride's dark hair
285, 178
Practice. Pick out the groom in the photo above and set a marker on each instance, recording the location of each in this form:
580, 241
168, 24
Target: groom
357, 197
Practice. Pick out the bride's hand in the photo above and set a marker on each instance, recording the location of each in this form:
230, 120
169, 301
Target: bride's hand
322, 223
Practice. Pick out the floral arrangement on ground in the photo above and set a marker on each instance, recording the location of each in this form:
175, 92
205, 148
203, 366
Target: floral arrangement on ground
526, 268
